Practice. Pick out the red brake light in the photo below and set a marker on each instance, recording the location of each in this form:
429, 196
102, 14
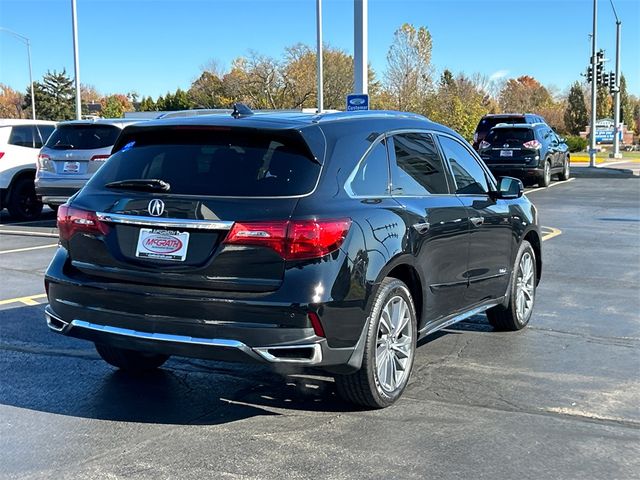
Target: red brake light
99, 158
1, 154
73, 220
316, 324
42, 159
532, 144
293, 240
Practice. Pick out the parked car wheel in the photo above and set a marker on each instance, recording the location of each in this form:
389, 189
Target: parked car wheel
130, 360
389, 349
53, 207
545, 178
522, 292
23, 203
566, 170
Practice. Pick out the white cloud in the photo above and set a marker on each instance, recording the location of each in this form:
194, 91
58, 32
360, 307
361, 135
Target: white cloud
498, 75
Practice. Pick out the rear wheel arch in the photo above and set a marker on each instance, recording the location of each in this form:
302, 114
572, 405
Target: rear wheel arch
27, 173
407, 273
536, 243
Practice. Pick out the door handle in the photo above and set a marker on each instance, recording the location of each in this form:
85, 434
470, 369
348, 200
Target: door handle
477, 221
422, 228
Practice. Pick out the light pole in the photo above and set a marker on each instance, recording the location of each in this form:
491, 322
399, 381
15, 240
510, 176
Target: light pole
594, 92
76, 60
319, 55
28, 43
360, 47
616, 101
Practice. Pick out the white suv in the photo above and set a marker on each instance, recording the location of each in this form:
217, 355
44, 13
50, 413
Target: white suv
20, 143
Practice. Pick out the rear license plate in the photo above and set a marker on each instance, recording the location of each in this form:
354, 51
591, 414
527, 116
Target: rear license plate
506, 153
162, 244
71, 167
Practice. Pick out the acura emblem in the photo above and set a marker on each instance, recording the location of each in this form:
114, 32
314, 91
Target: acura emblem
156, 207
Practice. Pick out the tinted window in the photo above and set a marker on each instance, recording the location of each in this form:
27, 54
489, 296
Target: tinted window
487, 124
210, 162
42, 133
417, 167
511, 136
469, 175
372, 176
83, 137
21, 136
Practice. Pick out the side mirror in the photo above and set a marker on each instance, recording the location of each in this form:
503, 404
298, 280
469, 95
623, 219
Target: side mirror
509, 187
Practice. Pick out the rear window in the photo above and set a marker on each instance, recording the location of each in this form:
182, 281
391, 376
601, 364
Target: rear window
215, 162
487, 124
83, 137
510, 135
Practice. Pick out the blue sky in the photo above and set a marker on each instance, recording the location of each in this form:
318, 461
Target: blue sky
155, 46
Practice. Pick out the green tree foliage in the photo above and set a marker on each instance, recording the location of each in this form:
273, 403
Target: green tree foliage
575, 115
604, 103
636, 117
208, 92
114, 106
55, 97
524, 94
147, 105
408, 76
626, 109
576, 143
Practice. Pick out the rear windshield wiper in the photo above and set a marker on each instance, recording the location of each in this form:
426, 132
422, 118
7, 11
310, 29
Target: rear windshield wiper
62, 146
153, 184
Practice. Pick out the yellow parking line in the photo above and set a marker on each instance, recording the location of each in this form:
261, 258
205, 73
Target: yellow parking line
30, 300
553, 233
27, 249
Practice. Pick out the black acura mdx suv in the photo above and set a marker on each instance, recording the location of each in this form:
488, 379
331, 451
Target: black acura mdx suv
333, 241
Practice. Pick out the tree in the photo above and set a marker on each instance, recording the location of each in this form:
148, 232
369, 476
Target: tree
114, 106
524, 94
11, 102
603, 105
55, 97
408, 75
208, 92
636, 117
575, 115
626, 109
179, 100
147, 105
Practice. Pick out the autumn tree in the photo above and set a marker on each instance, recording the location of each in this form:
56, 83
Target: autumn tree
208, 91
524, 94
115, 105
11, 102
408, 75
575, 115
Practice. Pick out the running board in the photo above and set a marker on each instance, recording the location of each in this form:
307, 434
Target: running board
429, 329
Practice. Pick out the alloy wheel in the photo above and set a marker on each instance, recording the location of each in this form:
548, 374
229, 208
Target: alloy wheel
547, 173
525, 288
394, 344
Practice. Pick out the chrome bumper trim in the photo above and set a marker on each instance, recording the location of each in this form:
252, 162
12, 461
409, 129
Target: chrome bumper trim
315, 357
164, 222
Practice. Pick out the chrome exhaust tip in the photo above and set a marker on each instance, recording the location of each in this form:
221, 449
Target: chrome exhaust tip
55, 323
300, 354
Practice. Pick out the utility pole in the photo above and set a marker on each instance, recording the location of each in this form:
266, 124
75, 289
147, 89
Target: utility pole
594, 92
76, 60
28, 43
616, 115
319, 55
360, 46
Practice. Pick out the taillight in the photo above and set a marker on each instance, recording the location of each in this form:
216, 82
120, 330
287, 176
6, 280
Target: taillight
1, 154
293, 240
74, 220
99, 158
43, 158
316, 324
484, 144
532, 144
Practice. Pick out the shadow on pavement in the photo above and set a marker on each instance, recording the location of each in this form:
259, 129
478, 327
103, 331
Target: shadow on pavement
602, 172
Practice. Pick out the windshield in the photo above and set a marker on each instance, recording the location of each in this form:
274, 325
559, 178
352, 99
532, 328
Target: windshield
509, 135
213, 163
487, 124
83, 137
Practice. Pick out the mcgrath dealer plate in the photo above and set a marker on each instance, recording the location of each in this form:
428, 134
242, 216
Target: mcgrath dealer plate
162, 244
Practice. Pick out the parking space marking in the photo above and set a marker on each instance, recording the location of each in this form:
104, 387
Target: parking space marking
552, 185
27, 249
29, 300
26, 233
549, 232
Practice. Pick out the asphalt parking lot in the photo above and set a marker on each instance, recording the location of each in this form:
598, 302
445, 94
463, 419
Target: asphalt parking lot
559, 399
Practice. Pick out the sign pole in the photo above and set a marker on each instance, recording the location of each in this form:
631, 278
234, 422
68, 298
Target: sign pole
360, 47
616, 115
594, 91
319, 55
76, 60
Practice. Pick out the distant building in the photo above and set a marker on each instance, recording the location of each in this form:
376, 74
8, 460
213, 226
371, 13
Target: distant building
605, 130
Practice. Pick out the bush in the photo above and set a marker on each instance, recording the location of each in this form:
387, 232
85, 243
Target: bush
575, 143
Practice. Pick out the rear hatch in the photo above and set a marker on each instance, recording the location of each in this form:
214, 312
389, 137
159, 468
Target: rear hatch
79, 149
165, 201
509, 145
487, 123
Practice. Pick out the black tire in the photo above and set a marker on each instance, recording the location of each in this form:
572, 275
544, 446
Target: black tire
364, 387
545, 179
54, 207
566, 170
507, 318
23, 203
130, 360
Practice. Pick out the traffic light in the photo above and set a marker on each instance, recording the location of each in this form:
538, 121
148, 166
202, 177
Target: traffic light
599, 73
589, 74
605, 80
613, 86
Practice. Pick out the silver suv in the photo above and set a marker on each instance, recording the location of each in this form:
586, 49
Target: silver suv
73, 153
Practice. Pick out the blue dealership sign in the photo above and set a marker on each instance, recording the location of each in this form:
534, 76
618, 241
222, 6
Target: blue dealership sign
357, 102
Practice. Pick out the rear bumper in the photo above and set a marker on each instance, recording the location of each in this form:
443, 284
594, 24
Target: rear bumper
521, 172
56, 191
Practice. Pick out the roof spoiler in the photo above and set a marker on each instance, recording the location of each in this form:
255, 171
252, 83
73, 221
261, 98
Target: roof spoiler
241, 110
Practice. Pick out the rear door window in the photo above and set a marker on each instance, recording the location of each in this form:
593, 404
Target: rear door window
469, 175
83, 137
416, 166
215, 162
487, 124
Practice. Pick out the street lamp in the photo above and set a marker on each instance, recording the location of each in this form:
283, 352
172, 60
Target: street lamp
28, 43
